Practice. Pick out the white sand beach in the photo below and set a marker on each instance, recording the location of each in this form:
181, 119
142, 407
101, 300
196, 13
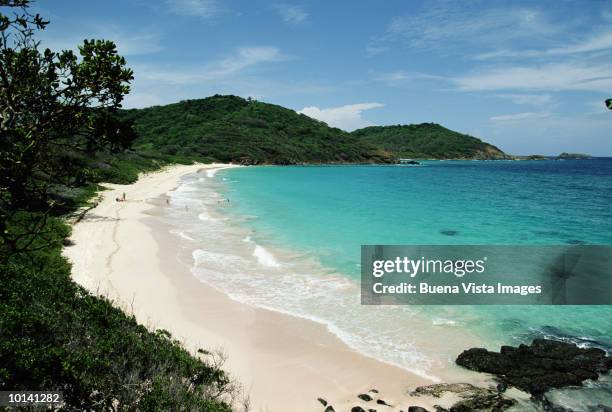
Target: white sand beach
285, 363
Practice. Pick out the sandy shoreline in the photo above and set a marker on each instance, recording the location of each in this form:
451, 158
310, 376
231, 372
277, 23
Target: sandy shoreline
123, 251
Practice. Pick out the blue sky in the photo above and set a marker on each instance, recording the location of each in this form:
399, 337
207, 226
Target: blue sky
529, 77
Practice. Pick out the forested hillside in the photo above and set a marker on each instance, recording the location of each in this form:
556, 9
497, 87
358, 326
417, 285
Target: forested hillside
427, 141
233, 129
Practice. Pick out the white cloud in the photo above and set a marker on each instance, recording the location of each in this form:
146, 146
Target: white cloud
597, 42
528, 99
399, 77
242, 59
128, 43
444, 24
344, 117
292, 14
518, 117
245, 57
552, 76
199, 8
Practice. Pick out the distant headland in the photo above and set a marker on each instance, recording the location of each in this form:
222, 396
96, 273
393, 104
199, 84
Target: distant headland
229, 128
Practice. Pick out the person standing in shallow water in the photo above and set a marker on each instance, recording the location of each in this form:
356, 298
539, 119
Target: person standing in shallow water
123, 197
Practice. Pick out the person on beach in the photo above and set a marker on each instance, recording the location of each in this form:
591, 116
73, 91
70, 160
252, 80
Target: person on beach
124, 196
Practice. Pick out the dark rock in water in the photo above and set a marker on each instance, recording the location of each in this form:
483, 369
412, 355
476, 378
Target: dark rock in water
417, 409
323, 401
357, 409
329, 409
382, 402
576, 242
364, 397
472, 398
374, 390
573, 156
437, 390
484, 402
501, 387
371, 410
538, 367
449, 232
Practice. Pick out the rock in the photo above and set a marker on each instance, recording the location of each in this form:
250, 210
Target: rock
364, 397
449, 232
371, 410
577, 156
323, 401
538, 367
438, 389
329, 409
501, 387
472, 398
357, 409
417, 409
381, 402
374, 390
489, 402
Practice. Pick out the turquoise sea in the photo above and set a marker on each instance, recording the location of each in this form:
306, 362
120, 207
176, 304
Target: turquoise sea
295, 233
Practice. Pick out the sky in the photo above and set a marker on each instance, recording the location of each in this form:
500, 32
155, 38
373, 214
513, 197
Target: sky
529, 77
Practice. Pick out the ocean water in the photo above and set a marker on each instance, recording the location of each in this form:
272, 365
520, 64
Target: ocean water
289, 239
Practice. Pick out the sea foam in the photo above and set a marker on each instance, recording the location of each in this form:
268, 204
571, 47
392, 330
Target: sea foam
264, 257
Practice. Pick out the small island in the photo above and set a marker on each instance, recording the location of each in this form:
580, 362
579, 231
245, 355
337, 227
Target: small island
574, 156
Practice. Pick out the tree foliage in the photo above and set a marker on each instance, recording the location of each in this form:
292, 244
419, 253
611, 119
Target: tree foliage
427, 141
59, 135
54, 335
56, 109
233, 129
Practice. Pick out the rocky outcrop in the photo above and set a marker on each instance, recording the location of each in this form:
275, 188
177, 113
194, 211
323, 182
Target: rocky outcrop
472, 398
577, 156
538, 367
417, 409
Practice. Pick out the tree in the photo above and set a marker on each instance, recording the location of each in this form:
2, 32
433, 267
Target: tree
53, 107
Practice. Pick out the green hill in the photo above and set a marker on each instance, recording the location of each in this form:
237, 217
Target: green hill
232, 129
427, 141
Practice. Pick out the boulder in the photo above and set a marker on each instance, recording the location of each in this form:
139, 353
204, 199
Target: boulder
538, 367
472, 398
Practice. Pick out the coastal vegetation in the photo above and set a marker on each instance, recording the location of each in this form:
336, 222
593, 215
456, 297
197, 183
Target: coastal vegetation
427, 141
60, 136
62, 133
233, 129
